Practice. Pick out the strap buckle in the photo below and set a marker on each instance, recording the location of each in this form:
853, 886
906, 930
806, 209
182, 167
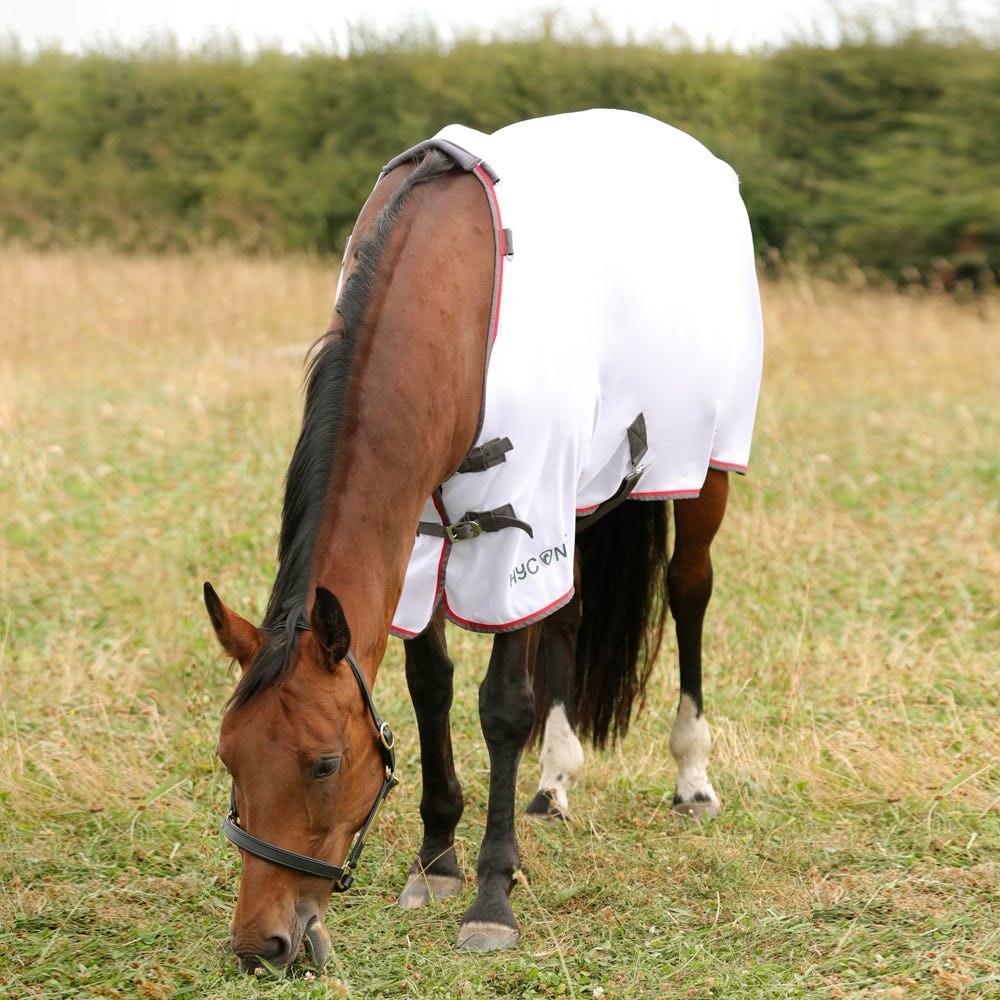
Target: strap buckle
386, 736
462, 531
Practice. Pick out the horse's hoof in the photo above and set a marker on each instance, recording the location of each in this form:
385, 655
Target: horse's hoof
423, 888
700, 809
545, 806
478, 936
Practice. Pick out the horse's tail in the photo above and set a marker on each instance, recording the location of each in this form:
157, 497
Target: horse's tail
624, 592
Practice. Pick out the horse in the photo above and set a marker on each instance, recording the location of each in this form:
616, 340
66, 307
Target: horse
556, 329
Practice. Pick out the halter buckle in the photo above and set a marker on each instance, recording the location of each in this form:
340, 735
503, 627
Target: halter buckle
386, 736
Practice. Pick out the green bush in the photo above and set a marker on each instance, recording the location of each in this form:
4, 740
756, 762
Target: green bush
883, 154
886, 155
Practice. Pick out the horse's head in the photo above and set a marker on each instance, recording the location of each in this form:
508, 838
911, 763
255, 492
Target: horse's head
311, 762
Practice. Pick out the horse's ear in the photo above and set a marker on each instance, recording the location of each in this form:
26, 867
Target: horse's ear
329, 627
238, 637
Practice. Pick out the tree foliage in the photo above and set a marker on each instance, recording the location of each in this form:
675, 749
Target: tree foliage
884, 154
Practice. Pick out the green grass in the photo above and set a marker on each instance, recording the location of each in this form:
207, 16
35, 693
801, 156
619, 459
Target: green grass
147, 410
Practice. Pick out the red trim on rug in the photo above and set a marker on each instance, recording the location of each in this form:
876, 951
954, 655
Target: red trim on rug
728, 467
443, 558
402, 633
660, 495
488, 184
508, 626
666, 495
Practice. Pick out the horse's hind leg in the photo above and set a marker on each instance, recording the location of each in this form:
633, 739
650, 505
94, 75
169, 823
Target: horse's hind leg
429, 675
506, 713
689, 583
561, 756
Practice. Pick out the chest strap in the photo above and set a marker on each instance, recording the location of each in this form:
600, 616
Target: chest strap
473, 523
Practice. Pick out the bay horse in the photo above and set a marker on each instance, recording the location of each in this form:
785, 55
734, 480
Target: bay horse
555, 329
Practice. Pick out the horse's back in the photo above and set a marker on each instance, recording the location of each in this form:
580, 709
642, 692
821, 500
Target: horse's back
633, 280
600, 137
615, 174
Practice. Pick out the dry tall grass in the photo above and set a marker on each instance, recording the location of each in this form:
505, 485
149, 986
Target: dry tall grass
147, 410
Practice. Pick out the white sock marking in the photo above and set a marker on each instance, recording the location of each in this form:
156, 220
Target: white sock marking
561, 757
691, 743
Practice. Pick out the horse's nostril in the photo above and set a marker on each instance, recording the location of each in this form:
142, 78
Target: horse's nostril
275, 951
278, 950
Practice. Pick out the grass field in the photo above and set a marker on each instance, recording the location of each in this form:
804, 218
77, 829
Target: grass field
147, 411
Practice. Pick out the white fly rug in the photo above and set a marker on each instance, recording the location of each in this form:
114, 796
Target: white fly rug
630, 289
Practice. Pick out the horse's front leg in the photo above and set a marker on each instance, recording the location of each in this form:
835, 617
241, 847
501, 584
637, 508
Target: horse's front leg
429, 676
689, 583
506, 714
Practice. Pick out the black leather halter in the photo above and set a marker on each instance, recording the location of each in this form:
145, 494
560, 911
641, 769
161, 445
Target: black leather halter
341, 876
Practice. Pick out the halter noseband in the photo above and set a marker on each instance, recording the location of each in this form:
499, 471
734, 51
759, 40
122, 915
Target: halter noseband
342, 877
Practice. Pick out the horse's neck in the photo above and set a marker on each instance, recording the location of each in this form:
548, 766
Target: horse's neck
416, 394
364, 543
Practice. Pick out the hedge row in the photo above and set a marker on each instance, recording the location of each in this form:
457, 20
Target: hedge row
884, 154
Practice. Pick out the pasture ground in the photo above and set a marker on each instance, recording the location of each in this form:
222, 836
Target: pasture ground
147, 412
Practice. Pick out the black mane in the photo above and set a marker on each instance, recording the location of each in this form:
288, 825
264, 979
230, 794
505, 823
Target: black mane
327, 376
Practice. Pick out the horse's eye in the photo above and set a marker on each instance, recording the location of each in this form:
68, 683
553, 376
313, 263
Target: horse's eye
324, 767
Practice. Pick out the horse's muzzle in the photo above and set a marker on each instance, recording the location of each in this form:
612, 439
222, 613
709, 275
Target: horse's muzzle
280, 950
275, 951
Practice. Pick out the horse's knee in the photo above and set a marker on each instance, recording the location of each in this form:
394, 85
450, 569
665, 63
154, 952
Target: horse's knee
506, 719
506, 698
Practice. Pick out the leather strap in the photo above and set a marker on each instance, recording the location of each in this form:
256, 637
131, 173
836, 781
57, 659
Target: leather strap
637, 448
486, 455
473, 523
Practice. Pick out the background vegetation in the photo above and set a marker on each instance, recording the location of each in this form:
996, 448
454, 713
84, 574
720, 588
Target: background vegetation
884, 154
148, 406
